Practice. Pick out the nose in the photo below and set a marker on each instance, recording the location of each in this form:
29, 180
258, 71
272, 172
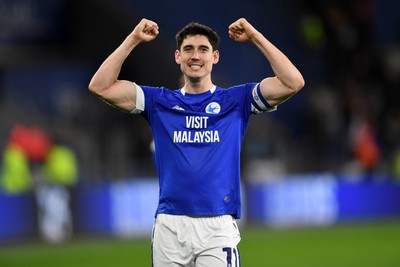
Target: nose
195, 54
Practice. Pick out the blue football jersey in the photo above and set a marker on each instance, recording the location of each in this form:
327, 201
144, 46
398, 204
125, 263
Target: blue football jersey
198, 140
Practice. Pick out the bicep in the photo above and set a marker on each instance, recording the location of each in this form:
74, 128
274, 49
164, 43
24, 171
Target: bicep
121, 95
274, 91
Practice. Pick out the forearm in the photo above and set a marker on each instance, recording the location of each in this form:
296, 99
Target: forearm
283, 68
108, 72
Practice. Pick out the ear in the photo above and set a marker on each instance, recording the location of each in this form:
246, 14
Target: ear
216, 56
177, 57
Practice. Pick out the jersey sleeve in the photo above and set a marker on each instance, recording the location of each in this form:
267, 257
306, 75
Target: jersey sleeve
140, 103
146, 96
258, 102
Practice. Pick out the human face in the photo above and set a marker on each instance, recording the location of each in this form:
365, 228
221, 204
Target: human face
196, 57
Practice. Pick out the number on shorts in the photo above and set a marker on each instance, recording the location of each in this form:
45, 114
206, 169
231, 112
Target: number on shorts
229, 256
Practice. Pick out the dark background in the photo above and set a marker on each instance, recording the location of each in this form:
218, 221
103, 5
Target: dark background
347, 51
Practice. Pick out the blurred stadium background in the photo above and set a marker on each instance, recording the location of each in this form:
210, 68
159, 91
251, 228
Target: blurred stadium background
320, 174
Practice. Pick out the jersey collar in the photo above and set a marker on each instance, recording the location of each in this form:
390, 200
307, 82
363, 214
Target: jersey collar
212, 90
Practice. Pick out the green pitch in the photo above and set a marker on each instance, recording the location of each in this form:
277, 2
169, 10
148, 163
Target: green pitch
350, 245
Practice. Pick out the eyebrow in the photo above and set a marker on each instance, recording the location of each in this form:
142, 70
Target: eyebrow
191, 46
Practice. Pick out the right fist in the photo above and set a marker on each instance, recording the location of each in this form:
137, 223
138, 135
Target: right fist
146, 30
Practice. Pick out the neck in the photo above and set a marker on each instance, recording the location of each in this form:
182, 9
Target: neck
197, 87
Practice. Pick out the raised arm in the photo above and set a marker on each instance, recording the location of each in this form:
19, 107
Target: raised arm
288, 79
105, 84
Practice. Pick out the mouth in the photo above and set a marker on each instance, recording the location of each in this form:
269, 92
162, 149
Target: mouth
195, 66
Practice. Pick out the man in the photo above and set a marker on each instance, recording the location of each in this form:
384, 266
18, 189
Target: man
197, 132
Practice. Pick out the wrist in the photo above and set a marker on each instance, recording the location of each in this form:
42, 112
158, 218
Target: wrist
256, 36
132, 40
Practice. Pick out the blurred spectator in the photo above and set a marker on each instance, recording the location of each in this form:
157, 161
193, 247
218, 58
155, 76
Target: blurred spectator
33, 161
365, 147
15, 176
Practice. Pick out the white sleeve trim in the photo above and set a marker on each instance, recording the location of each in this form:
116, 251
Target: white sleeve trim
139, 100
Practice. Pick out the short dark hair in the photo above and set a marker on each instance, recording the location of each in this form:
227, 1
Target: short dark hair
195, 28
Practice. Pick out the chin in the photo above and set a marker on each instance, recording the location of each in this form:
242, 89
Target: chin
193, 79
193, 76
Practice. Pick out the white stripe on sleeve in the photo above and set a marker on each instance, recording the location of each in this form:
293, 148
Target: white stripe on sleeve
139, 100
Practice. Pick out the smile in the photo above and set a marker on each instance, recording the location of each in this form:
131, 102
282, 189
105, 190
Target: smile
195, 67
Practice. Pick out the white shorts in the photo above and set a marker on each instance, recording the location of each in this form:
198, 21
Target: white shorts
195, 241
